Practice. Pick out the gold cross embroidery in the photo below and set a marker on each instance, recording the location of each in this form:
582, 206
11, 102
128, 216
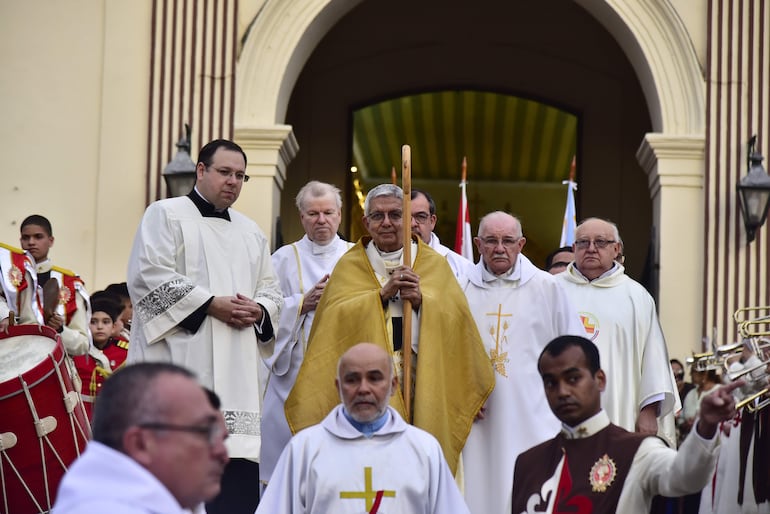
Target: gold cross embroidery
368, 493
496, 355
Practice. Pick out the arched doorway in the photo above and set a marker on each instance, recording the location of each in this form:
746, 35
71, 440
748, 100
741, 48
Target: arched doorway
549, 51
629, 70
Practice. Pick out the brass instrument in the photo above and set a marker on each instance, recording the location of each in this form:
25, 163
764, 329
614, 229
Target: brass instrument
750, 327
749, 359
704, 361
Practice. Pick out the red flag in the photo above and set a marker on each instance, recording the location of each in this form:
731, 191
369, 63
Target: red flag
463, 244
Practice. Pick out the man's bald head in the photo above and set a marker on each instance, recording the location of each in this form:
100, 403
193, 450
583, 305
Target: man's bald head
366, 381
596, 247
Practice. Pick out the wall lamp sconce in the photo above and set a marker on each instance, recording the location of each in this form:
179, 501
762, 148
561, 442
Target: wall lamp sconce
180, 172
754, 192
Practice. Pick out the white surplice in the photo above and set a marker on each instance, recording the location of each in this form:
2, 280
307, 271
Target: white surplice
517, 316
461, 267
103, 480
299, 266
181, 259
333, 468
619, 316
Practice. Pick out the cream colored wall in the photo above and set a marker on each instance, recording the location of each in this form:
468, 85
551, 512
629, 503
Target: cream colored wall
73, 129
694, 16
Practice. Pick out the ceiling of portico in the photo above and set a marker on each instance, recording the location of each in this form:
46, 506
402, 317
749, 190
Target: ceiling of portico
504, 137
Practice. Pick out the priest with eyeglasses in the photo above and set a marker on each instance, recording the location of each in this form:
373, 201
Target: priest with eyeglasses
517, 308
619, 316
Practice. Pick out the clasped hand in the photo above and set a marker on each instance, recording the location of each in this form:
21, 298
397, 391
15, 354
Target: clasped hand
405, 281
238, 311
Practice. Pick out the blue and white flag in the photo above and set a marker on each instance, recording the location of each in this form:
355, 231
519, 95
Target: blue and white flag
569, 224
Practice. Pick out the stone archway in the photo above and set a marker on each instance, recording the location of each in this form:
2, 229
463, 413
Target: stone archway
285, 33
658, 46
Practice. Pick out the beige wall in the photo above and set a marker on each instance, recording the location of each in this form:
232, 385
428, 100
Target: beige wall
73, 128
74, 103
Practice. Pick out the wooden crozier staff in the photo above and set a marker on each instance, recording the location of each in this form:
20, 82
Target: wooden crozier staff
406, 346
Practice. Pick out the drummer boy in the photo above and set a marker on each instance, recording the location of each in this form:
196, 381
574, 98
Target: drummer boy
69, 315
106, 355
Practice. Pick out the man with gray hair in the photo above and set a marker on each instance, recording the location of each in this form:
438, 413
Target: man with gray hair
158, 446
620, 317
303, 269
364, 299
518, 308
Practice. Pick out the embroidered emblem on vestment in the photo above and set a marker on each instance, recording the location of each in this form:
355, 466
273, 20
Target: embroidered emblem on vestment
498, 331
15, 276
162, 298
65, 294
590, 325
602, 474
241, 422
372, 497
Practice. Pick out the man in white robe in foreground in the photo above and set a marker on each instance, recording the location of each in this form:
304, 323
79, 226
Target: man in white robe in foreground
619, 316
363, 457
303, 268
518, 308
204, 294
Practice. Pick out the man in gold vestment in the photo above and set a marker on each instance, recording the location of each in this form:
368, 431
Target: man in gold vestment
363, 302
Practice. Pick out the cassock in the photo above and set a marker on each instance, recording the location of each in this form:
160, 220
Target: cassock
517, 315
619, 316
598, 467
334, 468
453, 377
179, 261
298, 266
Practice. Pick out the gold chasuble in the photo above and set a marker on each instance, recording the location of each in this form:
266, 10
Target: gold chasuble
453, 376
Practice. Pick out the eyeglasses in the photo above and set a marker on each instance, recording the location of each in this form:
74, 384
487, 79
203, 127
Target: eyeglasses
212, 432
421, 217
507, 242
584, 244
226, 173
379, 217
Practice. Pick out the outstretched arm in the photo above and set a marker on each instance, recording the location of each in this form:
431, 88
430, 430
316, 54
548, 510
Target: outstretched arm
716, 407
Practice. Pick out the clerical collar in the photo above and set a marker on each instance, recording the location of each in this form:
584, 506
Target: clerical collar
368, 429
613, 269
587, 428
512, 275
390, 256
205, 207
318, 249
